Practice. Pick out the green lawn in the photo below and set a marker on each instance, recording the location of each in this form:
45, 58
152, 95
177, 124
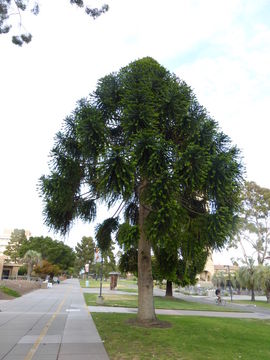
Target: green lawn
257, 303
123, 285
189, 338
95, 283
9, 291
130, 290
161, 302
127, 282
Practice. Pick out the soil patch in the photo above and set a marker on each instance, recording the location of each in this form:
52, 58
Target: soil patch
21, 286
150, 324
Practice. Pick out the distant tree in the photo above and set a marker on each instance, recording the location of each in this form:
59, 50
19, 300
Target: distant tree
85, 252
31, 258
11, 8
219, 279
185, 258
54, 251
46, 268
254, 224
128, 262
105, 245
127, 238
22, 270
17, 238
263, 274
143, 140
247, 277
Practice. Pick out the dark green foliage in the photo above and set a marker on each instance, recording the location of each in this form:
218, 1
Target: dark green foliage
127, 236
56, 252
62, 194
148, 124
95, 12
21, 39
22, 270
17, 7
128, 261
104, 233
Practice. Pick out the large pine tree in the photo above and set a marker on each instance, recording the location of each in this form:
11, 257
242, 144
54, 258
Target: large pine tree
143, 140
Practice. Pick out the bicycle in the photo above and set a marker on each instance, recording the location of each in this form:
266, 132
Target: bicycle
220, 301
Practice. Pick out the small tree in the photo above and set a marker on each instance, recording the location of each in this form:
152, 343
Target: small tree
47, 268
17, 238
31, 258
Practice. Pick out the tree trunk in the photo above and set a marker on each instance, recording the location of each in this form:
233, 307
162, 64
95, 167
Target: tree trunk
252, 295
146, 310
169, 290
29, 270
267, 296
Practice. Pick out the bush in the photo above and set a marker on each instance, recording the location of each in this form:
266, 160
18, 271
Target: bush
22, 270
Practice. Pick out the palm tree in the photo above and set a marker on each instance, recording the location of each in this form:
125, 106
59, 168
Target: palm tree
264, 280
31, 258
219, 280
247, 276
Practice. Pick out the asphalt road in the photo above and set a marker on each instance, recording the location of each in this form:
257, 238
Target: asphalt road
49, 324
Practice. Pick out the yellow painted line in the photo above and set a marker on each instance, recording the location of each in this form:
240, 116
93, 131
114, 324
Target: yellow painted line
44, 331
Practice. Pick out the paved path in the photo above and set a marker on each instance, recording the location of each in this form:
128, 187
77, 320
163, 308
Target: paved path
211, 300
249, 311
49, 324
235, 315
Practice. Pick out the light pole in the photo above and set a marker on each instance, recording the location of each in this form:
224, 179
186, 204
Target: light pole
101, 276
230, 283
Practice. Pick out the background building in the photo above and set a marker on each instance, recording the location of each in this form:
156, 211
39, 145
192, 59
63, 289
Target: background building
8, 268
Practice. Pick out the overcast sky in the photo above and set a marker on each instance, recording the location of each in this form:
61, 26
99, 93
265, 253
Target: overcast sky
220, 48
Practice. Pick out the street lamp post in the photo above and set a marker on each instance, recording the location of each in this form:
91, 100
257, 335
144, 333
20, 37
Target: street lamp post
101, 276
230, 283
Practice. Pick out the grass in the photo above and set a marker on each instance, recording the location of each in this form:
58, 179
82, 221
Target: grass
130, 290
161, 302
260, 303
189, 338
127, 282
95, 283
123, 285
9, 291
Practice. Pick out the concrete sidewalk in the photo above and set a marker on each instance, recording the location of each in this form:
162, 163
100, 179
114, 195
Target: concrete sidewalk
236, 315
49, 324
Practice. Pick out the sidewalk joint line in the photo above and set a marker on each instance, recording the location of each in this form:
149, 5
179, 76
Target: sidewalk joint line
44, 331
